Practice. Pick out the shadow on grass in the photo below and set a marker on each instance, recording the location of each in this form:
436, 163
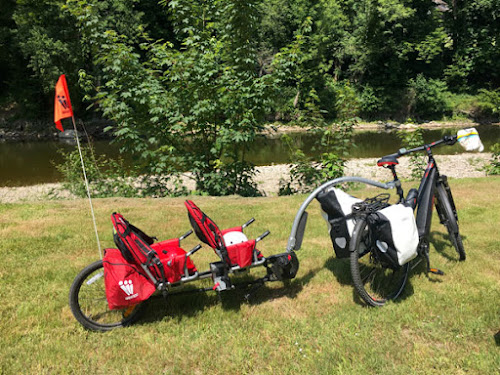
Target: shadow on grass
341, 269
443, 245
419, 267
192, 303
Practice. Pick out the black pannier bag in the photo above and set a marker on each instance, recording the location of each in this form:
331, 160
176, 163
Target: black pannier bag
336, 207
394, 234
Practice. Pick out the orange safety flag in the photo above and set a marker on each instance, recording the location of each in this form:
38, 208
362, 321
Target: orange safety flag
62, 103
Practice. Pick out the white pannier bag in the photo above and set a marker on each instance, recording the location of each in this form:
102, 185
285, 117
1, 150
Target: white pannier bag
336, 208
395, 234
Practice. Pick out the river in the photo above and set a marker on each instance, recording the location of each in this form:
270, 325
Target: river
30, 163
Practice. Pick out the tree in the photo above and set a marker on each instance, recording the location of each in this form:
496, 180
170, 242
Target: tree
196, 107
473, 26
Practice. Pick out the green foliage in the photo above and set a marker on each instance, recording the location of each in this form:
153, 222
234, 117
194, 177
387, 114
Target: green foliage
483, 106
370, 102
412, 139
188, 85
196, 107
110, 178
375, 46
305, 173
427, 98
473, 26
489, 104
493, 168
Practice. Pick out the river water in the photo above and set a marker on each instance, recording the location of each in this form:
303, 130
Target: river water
29, 163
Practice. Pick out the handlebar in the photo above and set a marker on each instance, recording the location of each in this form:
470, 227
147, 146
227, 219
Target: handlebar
188, 233
262, 236
450, 140
248, 223
193, 250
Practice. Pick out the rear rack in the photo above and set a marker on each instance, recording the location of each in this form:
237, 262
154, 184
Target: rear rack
370, 205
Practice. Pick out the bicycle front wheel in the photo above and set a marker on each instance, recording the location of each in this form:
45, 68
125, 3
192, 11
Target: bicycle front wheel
374, 282
448, 217
87, 299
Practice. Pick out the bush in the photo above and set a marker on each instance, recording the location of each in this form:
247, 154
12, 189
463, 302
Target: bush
229, 179
484, 106
494, 167
463, 105
427, 98
346, 100
306, 173
488, 105
412, 139
371, 103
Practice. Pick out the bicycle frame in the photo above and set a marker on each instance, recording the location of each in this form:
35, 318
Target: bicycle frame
425, 200
426, 189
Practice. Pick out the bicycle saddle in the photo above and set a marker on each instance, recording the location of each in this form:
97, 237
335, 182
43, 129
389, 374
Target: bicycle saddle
387, 161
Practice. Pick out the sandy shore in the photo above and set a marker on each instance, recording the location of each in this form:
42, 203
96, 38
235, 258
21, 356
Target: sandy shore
277, 129
268, 177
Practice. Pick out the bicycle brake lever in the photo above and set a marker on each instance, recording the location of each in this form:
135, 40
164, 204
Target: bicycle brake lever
450, 139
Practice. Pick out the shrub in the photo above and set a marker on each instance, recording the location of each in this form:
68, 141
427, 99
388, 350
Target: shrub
493, 168
427, 98
409, 140
488, 105
306, 173
484, 106
371, 103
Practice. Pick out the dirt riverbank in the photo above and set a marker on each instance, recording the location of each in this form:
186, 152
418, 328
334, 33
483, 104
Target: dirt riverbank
268, 177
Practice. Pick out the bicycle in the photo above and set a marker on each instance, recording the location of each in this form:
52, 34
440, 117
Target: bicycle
375, 281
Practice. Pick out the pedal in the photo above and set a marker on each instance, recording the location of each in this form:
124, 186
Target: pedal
436, 271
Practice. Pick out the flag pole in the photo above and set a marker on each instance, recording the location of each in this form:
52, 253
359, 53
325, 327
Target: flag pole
87, 187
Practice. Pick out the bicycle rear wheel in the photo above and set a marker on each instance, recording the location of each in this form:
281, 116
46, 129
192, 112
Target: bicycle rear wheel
87, 299
374, 282
448, 217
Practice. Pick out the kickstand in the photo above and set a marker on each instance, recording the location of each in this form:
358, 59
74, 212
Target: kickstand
435, 271
164, 293
253, 289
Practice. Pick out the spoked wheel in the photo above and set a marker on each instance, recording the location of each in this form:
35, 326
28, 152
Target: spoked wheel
448, 218
87, 299
374, 282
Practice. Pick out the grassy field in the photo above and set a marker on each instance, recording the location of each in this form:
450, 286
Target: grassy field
442, 325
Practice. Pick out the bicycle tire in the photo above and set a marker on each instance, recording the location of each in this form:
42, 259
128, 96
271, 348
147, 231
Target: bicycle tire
87, 300
374, 282
448, 218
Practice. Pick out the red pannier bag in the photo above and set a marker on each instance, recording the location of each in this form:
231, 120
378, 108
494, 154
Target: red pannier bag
125, 283
138, 248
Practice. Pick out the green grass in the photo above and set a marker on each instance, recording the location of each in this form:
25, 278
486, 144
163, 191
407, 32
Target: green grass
317, 325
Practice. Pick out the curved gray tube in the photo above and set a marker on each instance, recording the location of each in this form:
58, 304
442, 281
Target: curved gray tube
293, 234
